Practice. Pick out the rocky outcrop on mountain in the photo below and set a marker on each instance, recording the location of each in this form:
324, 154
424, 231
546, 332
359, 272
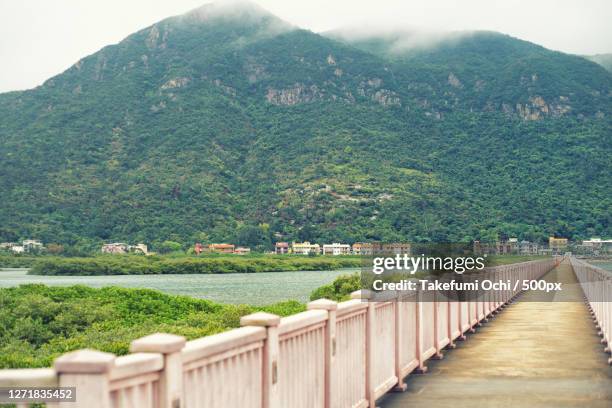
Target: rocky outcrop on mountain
298, 93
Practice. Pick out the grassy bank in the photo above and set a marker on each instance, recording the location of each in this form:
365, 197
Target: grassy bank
39, 323
12, 261
510, 259
140, 265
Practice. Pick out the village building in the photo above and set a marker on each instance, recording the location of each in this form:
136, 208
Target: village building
222, 248
503, 247
6, 246
305, 248
281, 248
545, 251
115, 248
597, 246
557, 245
362, 248
336, 249
118, 248
242, 251
396, 248
139, 249
32, 245
511, 246
17, 249
528, 248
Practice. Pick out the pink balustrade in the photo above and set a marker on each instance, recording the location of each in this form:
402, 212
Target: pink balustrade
597, 287
334, 355
348, 377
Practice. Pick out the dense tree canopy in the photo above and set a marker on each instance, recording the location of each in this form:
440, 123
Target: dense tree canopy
232, 126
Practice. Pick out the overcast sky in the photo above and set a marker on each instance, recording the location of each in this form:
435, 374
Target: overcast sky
41, 38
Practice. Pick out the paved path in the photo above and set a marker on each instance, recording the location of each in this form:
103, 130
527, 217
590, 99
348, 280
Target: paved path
533, 354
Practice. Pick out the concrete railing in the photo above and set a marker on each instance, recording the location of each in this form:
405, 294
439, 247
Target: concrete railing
30, 377
340, 355
597, 287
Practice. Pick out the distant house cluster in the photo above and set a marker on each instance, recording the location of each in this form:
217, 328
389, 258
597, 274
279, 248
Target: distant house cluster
123, 248
336, 248
26, 246
596, 246
512, 246
221, 249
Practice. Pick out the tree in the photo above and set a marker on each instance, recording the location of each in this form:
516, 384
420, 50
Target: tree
169, 246
55, 249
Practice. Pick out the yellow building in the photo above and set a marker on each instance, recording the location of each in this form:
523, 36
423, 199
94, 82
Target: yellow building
557, 244
362, 248
305, 248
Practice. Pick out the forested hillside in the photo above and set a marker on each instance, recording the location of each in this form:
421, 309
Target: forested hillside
605, 60
227, 124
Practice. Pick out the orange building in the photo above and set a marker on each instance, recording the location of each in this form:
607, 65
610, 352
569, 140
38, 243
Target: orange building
222, 248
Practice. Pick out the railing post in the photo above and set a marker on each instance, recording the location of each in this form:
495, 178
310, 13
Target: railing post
399, 344
366, 295
87, 371
270, 395
171, 379
330, 343
422, 368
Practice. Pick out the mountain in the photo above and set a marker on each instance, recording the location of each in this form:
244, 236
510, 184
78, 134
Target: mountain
228, 124
490, 71
605, 60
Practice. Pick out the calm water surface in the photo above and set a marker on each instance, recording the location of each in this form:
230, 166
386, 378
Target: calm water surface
251, 288
603, 264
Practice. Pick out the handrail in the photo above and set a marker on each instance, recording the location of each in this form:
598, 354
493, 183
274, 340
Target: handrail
596, 285
344, 354
210, 345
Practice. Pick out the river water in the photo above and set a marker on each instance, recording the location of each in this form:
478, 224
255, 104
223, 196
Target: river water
603, 264
249, 288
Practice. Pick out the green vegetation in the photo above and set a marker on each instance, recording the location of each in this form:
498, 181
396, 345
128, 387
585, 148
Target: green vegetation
39, 323
605, 60
340, 289
510, 259
11, 261
234, 129
140, 265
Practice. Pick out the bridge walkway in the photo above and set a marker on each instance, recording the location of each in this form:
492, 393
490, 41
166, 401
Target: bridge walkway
533, 354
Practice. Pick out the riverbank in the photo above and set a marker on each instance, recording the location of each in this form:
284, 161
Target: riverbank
41, 322
12, 261
259, 289
157, 265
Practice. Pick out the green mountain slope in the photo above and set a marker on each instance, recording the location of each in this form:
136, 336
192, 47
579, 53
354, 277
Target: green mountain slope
605, 60
490, 71
228, 124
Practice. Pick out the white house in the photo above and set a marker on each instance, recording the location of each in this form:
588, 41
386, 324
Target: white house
17, 249
336, 249
598, 245
115, 248
123, 248
32, 245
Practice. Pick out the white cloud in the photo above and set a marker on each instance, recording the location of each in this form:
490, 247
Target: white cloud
40, 38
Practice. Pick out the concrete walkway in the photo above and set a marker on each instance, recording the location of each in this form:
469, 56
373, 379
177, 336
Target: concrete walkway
533, 354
